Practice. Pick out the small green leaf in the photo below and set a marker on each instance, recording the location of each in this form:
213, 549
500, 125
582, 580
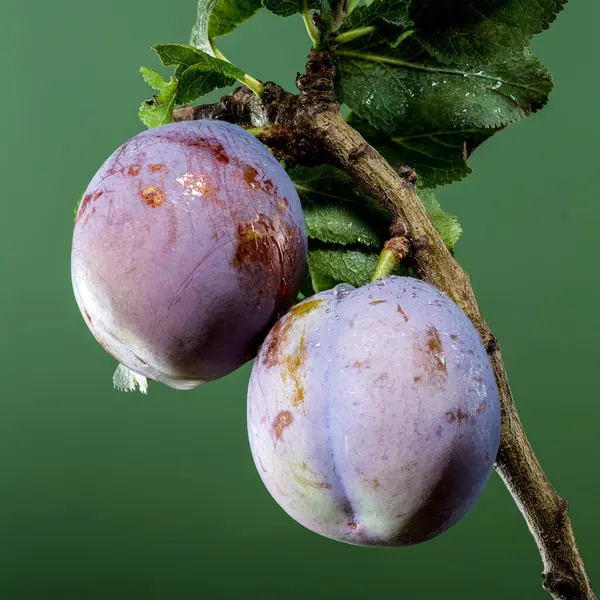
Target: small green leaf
328, 267
179, 54
438, 157
417, 94
198, 80
447, 225
158, 110
198, 73
339, 224
455, 30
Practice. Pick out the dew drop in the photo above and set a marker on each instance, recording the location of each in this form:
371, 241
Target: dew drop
342, 290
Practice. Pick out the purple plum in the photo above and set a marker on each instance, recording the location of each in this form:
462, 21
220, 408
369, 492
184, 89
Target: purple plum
373, 413
189, 243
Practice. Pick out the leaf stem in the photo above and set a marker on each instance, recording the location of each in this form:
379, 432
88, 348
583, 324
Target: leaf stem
386, 265
311, 29
354, 34
403, 36
254, 84
217, 52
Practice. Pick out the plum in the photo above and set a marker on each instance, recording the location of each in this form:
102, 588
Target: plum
373, 413
189, 243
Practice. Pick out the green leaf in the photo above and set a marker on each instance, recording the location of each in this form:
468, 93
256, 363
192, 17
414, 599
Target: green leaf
379, 13
447, 225
325, 183
438, 157
454, 30
228, 14
395, 92
158, 110
198, 73
179, 54
335, 209
328, 267
339, 224
286, 8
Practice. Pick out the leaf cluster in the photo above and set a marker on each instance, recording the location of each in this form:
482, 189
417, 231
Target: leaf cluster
426, 82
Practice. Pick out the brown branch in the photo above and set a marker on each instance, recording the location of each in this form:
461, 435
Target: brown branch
312, 120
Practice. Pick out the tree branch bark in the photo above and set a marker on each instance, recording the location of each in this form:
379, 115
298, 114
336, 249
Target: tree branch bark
313, 130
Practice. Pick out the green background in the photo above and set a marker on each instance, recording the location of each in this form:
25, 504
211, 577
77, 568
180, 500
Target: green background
112, 496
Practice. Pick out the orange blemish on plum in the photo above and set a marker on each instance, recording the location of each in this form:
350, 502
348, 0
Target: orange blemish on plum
431, 359
378, 302
436, 350
360, 363
134, 170
153, 196
218, 151
86, 201
459, 415
256, 243
252, 179
294, 363
278, 337
284, 419
84, 205
404, 315
157, 167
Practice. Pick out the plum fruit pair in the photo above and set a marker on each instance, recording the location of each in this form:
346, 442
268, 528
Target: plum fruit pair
373, 412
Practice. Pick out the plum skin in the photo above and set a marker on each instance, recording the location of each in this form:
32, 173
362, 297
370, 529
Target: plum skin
374, 414
189, 243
